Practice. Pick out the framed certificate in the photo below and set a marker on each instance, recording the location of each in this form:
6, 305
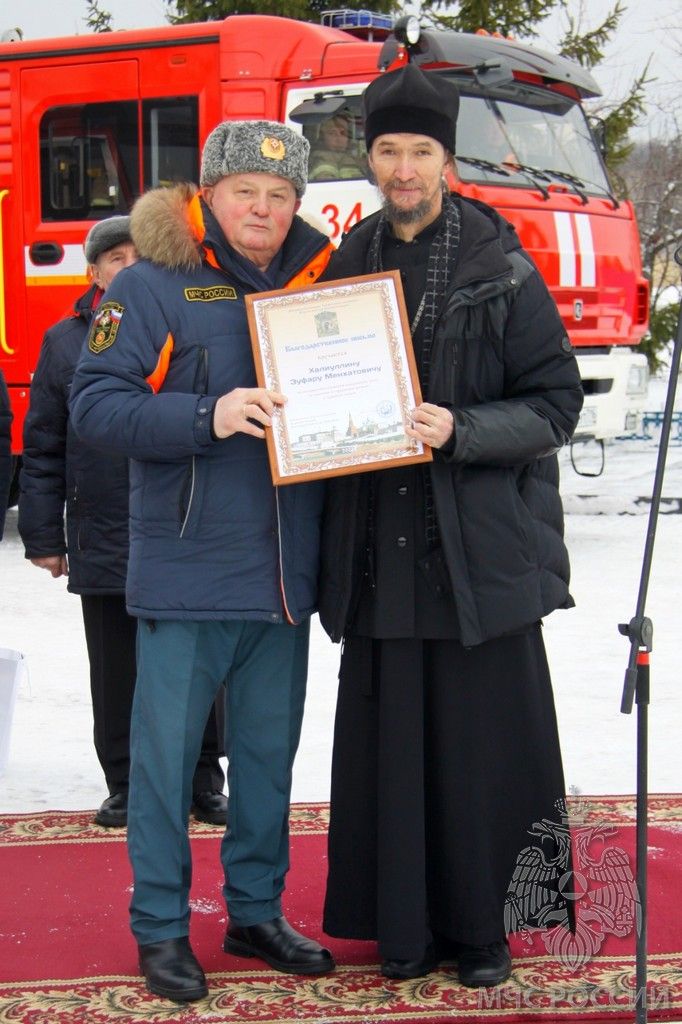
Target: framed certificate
342, 354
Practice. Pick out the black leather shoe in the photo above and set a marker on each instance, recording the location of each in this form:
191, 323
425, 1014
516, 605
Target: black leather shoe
171, 970
114, 811
484, 966
210, 808
279, 945
411, 968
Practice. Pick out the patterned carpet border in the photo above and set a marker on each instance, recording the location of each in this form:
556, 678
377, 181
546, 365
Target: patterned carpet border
309, 819
78, 827
358, 995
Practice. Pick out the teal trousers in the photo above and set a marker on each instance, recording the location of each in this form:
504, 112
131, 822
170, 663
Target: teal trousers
181, 666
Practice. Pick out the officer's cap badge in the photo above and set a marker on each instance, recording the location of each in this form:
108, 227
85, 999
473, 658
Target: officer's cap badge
272, 148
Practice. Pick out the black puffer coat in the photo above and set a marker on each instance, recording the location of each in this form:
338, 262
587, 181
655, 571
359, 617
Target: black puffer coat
59, 468
501, 360
5, 450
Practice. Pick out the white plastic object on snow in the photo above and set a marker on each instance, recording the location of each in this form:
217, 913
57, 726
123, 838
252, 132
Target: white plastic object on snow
12, 668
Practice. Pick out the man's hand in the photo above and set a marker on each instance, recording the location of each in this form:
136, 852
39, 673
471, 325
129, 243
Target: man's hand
431, 424
235, 411
58, 565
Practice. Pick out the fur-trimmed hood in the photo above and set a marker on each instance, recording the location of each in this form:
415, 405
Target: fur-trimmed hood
162, 228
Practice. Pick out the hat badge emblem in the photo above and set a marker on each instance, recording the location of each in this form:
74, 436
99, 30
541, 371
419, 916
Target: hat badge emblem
273, 149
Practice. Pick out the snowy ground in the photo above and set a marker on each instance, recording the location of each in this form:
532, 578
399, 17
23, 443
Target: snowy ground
52, 762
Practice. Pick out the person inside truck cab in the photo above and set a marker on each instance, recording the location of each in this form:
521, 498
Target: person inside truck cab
334, 156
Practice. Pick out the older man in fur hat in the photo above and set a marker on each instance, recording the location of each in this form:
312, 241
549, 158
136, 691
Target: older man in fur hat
446, 749
223, 569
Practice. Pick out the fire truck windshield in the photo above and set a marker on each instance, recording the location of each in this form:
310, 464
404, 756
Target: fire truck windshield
502, 141
526, 137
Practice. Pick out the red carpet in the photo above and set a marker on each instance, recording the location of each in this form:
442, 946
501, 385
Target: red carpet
68, 957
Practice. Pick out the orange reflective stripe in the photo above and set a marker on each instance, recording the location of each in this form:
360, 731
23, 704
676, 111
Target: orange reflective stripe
158, 375
209, 256
313, 269
196, 217
196, 221
287, 614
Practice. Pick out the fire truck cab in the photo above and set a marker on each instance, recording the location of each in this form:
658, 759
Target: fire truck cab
88, 123
525, 146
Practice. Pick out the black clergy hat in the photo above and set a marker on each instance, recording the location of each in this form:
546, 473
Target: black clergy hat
411, 100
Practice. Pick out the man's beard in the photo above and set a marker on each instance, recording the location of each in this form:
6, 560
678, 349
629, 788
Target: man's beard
399, 215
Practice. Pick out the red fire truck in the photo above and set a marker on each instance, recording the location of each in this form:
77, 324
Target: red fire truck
89, 122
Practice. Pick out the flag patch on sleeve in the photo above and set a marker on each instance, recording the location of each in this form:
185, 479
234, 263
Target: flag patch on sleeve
104, 326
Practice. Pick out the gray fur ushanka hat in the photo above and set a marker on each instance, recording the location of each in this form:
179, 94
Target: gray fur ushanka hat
106, 234
245, 147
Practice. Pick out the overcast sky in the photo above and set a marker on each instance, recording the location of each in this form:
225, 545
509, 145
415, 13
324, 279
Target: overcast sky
648, 28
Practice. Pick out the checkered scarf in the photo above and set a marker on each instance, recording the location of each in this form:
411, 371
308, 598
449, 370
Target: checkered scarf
441, 261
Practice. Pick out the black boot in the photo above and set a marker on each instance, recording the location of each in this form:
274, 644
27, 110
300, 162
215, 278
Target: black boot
411, 968
484, 966
114, 811
279, 945
210, 808
172, 970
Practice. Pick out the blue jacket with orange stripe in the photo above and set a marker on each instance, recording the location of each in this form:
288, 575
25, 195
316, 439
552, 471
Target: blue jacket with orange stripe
210, 537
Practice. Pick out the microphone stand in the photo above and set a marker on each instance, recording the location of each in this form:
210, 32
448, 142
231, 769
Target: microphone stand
636, 686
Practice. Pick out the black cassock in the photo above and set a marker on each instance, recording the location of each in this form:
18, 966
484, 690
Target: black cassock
444, 759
